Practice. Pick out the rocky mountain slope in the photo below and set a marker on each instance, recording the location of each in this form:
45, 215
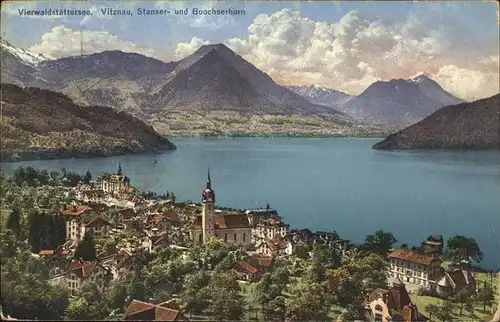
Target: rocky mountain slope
214, 91
41, 124
320, 95
473, 125
399, 101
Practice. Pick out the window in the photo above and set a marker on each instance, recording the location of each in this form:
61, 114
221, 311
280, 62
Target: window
225, 237
244, 237
235, 237
378, 307
378, 318
200, 237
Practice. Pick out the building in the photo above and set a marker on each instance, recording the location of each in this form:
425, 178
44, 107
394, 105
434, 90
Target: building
414, 268
57, 261
393, 304
73, 214
277, 246
260, 214
269, 229
113, 183
231, 227
143, 311
433, 245
252, 269
126, 261
454, 281
80, 272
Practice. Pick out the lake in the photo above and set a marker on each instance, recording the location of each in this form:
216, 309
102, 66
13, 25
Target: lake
328, 184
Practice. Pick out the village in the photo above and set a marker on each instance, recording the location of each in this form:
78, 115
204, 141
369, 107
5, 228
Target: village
112, 231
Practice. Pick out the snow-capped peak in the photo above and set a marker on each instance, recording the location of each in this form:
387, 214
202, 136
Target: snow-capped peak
419, 78
27, 56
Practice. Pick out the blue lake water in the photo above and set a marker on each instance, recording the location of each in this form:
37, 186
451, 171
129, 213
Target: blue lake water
329, 184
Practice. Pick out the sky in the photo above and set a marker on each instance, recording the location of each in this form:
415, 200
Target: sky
341, 45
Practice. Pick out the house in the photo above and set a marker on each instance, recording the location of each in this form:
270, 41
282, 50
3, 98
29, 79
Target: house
232, 227
112, 183
57, 261
243, 271
155, 242
143, 311
277, 246
162, 221
454, 281
79, 272
269, 229
256, 216
97, 226
433, 245
72, 214
414, 268
393, 304
126, 261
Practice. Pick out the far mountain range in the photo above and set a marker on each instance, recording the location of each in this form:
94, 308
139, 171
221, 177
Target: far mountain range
214, 91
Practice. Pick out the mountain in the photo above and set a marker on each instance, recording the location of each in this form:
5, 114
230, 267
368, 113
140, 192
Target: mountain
399, 101
214, 91
216, 75
320, 95
473, 125
19, 66
41, 124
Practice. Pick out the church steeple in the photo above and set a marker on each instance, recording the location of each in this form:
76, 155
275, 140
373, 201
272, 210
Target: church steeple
209, 181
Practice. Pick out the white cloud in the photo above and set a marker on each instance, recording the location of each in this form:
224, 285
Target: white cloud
62, 42
468, 83
359, 49
184, 49
211, 22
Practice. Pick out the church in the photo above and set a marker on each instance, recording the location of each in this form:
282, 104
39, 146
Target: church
232, 227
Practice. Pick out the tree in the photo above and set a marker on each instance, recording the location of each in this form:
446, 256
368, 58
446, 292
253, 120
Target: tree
120, 171
86, 248
226, 302
486, 296
444, 312
8, 246
195, 295
460, 248
431, 309
79, 309
461, 299
34, 232
354, 312
88, 177
14, 221
381, 242
308, 302
470, 307
26, 294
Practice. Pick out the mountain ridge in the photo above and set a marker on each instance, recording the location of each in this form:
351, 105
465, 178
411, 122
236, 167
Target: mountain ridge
42, 124
399, 101
472, 126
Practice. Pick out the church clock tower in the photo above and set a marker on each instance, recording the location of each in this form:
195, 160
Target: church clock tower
207, 215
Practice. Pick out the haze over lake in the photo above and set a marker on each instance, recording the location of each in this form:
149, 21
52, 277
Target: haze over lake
328, 184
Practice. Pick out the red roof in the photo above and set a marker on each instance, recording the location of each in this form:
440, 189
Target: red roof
409, 255
245, 266
83, 268
226, 221
73, 210
95, 221
138, 310
52, 252
276, 243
